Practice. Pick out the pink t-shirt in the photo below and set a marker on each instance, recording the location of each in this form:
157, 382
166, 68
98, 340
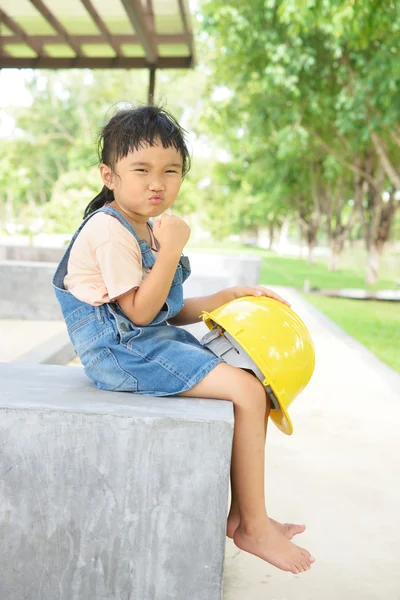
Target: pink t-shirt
105, 261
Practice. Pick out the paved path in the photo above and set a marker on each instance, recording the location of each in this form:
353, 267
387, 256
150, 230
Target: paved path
19, 336
339, 473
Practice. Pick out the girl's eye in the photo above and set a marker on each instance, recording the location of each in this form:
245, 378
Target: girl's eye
145, 171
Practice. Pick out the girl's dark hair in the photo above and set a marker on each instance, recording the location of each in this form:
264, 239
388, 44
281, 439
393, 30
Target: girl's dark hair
127, 131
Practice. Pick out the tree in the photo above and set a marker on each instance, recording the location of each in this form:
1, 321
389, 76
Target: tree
55, 137
363, 37
296, 69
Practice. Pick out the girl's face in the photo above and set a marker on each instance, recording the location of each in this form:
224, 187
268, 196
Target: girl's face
146, 181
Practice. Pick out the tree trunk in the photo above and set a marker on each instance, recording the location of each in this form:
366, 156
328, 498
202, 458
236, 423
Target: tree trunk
311, 240
271, 231
301, 240
310, 247
283, 234
378, 235
336, 247
373, 263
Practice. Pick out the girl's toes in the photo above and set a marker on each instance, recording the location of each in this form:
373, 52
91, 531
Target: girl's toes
300, 567
305, 564
295, 570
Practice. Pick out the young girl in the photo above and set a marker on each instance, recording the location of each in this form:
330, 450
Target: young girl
119, 285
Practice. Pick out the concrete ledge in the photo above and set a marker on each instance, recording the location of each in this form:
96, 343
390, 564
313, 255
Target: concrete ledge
358, 294
109, 495
237, 269
31, 253
27, 291
58, 350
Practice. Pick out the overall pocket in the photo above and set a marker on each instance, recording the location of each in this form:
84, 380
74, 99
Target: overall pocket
80, 317
86, 327
107, 374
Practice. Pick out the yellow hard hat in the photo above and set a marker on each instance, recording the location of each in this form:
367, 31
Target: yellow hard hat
276, 343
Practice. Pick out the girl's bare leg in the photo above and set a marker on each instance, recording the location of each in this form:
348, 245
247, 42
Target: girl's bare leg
289, 530
256, 533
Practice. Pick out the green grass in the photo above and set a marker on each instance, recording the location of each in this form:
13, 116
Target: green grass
278, 270
374, 324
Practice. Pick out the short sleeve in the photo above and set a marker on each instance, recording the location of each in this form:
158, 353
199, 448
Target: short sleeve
120, 266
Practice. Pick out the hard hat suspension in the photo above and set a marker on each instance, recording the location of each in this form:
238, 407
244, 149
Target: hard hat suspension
224, 346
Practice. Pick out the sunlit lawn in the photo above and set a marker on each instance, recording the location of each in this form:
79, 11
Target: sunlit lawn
292, 271
374, 324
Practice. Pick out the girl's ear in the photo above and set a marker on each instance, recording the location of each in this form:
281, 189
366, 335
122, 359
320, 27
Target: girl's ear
107, 176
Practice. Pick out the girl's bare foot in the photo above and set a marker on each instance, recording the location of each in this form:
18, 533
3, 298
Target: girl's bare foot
266, 542
232, 524
289, 530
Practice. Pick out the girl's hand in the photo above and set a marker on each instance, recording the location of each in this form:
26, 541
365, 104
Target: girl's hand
171, 232
256, 290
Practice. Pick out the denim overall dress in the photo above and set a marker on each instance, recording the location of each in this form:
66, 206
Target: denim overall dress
157, 359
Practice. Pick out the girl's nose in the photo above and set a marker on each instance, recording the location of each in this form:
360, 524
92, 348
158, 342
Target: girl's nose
156, 184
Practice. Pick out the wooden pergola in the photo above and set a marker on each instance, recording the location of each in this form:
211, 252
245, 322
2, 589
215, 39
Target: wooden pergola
96, 34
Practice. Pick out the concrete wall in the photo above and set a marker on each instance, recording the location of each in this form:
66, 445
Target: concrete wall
57, 350
109, 495
238, 269
26, 291
31, 253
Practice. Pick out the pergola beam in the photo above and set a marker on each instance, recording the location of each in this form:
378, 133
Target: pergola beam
140, 14
150, 18
137, 17
86, 62
50, 18
101, 26
152, 85
183, 7
36, 45
111, 39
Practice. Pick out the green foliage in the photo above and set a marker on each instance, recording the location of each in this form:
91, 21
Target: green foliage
309, 84
71, 194
294, 91
46, 168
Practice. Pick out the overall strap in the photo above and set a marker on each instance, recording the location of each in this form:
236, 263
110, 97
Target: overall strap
114, 213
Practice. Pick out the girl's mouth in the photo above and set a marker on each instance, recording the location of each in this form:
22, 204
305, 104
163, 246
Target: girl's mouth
156, 199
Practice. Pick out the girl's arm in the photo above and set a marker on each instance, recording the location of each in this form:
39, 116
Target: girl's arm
143, 304
194, 306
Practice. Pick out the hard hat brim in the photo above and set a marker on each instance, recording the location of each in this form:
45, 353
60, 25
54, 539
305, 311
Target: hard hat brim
279, 416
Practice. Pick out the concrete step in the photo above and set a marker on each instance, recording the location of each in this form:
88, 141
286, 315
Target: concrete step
109, 495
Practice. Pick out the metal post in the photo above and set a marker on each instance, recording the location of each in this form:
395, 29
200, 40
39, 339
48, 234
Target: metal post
152, 84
